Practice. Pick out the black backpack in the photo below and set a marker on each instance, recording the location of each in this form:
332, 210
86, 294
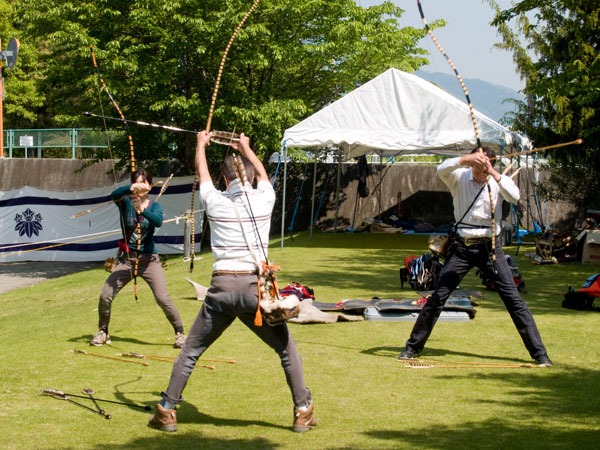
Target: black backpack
422, 273
578, 300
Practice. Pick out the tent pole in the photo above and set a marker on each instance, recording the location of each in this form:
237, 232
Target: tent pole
355, 208
527, 190
284, 148
380, 182
312, 204
337, 190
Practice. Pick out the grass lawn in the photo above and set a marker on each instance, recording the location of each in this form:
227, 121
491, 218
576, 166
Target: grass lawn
364, 399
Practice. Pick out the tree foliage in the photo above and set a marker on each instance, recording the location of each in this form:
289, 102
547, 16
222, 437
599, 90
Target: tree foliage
160, 60
562, 89
23, 96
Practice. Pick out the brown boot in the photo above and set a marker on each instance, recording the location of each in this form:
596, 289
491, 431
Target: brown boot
304, 420
164, 419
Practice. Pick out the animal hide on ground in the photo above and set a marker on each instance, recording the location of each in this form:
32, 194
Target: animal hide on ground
311, 314
200, 290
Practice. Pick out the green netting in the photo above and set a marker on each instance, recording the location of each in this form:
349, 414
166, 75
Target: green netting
57, 142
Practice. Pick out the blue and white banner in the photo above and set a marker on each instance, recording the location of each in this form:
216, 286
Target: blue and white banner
39, 225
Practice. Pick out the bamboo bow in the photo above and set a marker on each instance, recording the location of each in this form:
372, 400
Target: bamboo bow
474, 121
210, 115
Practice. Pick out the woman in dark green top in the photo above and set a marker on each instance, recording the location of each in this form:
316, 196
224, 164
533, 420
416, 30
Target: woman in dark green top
137, 255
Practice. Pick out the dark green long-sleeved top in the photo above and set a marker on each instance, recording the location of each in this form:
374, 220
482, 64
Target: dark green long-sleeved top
152, 218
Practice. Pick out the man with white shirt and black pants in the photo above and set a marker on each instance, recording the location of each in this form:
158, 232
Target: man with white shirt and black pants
466, 177
234, 286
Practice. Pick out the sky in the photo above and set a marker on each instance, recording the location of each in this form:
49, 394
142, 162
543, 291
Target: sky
467, 38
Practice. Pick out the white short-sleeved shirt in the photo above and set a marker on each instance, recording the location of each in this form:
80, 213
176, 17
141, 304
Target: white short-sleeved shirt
227, 241
464, 188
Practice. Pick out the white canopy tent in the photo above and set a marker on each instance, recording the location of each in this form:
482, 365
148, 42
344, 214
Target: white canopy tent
395, 113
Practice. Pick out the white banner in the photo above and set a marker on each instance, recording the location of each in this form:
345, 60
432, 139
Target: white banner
39, 225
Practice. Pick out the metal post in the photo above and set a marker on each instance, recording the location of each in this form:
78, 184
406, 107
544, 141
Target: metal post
1, 107
527, 181
312, 205
187, 235
284, 189
380, 182
337, 189
73, 134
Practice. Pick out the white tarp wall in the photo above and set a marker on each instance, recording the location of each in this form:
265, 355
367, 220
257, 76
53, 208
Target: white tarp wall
42, 220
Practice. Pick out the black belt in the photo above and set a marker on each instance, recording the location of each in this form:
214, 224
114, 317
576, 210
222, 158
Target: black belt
234, 273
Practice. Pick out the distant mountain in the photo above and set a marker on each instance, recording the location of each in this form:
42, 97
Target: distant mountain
486, 97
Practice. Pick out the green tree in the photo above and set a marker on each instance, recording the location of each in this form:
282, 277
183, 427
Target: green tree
23, 95
562, 89
160, 60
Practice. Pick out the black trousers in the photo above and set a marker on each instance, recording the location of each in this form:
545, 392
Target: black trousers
456, 267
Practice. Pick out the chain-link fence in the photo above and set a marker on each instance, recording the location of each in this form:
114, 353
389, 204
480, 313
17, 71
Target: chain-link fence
66, 143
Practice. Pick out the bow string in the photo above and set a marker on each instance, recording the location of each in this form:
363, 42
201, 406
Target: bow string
210, 116
132, 165
475, 128
116, 105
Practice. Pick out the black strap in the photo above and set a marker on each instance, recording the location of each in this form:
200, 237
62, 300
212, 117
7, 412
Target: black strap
454, 227
140, 217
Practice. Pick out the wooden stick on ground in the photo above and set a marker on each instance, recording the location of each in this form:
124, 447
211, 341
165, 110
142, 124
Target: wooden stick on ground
110, 357
423, 364
469, 363
171, 358
168, 359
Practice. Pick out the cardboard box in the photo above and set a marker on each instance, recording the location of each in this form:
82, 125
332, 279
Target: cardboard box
591, 248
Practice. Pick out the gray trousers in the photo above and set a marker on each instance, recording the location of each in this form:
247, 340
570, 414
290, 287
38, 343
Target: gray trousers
227, 298
150, 269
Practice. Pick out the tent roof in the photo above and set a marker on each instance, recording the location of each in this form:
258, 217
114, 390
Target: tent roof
397, 112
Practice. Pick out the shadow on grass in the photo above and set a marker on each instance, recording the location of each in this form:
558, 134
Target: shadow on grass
558, 404
116, 340
428, 352
374, 273
45, 269
164, 440
188, 413
324, 344
369, 241
494, 434
122, 397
